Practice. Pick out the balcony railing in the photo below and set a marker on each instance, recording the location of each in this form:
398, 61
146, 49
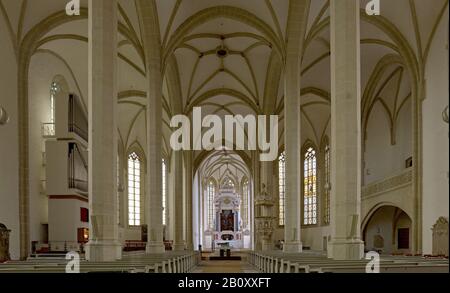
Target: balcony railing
79, 131
48, 130
392, 182
78, 184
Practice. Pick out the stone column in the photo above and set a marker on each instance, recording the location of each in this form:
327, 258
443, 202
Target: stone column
103, 242
345, 131
177, 157
152, 43
188, 187
298, 11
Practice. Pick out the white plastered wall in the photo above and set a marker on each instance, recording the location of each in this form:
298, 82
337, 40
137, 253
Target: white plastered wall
382, 159
435, 135
9, 143
42, 71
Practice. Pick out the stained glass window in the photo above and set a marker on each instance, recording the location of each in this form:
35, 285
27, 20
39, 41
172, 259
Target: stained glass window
211, 190
327, 186
281, 187
164, 191
245, 196
310, 188
118, 192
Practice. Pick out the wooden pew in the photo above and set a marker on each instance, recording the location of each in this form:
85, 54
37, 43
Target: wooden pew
276, 262
136, 263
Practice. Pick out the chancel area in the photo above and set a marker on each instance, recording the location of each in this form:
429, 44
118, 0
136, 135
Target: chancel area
89, 167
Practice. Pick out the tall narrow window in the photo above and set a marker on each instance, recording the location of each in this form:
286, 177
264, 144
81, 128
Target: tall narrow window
327, 186
245, 195
134, 190
54, 88
211, 190
164, 192
49, 128
118, 190
310, 188
281, 187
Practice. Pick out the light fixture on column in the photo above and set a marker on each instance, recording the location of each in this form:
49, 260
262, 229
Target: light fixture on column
120, 188
4, 118
445, 115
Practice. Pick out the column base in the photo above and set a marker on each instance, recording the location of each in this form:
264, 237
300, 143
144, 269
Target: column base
190, 247
155, 247
180, 246
293, 247
347, 249
103, 250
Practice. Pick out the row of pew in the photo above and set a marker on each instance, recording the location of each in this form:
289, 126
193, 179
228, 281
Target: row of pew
278, 262
169, 262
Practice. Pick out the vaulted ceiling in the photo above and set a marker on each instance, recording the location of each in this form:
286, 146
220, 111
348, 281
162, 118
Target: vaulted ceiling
224, 164
231, 66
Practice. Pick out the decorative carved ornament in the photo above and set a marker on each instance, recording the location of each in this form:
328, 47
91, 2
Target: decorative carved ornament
387, 184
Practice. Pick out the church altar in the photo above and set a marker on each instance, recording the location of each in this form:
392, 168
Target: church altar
228, 230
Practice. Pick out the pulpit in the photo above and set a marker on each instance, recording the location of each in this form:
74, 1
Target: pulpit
4, 243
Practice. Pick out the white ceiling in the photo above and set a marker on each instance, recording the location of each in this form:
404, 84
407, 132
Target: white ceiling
245, 69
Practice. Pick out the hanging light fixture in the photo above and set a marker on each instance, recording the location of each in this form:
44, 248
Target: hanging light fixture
4, 118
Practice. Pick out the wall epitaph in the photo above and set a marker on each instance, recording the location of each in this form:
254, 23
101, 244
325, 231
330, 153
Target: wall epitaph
4, 243
440, 237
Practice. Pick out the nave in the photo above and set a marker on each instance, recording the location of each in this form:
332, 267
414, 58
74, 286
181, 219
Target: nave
87, 156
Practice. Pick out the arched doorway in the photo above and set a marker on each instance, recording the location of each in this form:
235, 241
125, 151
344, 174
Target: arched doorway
388, 230
223, 197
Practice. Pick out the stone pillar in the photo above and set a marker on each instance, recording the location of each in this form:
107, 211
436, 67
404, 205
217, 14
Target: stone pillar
178, 200
345, 131
152, 43
188, 187
103, 242
297, 19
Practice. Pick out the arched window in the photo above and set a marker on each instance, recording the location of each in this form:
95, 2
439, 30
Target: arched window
327, 185
164, 191
281, 187
310, 188
134, 190
211, 191
245, 196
